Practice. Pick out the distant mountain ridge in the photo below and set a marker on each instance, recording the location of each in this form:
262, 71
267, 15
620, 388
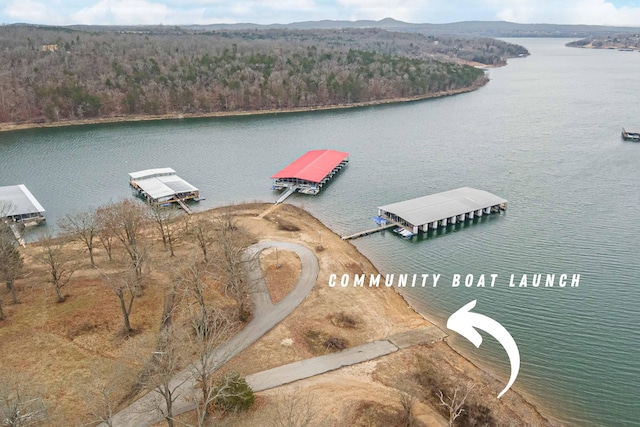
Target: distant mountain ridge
471, 28
466, 28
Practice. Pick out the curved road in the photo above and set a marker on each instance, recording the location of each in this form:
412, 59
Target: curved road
266, 315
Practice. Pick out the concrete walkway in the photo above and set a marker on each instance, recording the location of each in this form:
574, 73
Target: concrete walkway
319, 365
145, 412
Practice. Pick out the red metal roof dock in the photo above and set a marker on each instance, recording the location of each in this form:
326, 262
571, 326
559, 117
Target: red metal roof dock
313, 166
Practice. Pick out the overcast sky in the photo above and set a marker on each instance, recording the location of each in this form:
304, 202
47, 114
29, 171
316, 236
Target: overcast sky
64, 12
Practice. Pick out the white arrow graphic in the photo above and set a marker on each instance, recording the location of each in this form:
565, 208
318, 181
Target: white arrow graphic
464, 321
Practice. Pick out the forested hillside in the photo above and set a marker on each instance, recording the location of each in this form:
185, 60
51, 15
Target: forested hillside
53, 74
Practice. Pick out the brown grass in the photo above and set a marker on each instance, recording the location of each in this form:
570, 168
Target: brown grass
281, 270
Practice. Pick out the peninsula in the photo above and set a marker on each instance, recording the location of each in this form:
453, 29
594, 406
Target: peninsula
76, 356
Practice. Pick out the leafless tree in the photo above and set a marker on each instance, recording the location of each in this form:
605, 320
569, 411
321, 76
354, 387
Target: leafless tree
123, 285
58, 262
82, 227
231, 241
297, 409
165, 362
202, 230
126, 221
164, 218
20, 404
101, 392
105, 235
455, 403
205, 339
11, 261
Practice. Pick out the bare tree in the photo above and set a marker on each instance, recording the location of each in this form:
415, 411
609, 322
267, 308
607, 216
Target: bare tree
105, 236
231, 241
205, 340
11, 261
455, 403
101, 393
202, 230
126, 221
164, 364
20, 405
208, 327
82, 227
164, 218
297, 409
58, 262
123, 285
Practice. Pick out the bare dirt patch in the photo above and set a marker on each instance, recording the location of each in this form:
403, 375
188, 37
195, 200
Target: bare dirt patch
281, 270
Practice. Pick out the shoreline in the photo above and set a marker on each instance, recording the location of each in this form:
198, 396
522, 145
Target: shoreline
521, 392
13, 126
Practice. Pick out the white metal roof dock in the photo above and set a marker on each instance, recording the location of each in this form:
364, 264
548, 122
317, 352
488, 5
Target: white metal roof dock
449, 207
162, 185
24, 207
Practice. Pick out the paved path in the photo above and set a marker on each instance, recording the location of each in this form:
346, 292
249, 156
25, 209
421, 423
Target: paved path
144, 412
319, 365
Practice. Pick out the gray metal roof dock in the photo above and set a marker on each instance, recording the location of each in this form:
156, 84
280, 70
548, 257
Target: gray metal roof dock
23, 206
162, 185
428, 212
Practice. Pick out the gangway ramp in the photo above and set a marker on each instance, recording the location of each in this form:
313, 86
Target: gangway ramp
370, 231
184, 206
286, 194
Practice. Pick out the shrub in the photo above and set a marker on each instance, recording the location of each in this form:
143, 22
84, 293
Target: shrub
233, 393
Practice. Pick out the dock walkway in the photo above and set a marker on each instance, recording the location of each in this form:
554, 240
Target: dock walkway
286, 194
184, 206
16, 233
370, 231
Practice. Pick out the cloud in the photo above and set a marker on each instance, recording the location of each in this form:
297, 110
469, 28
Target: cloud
124, 12
404, 10
32, 12
592, 12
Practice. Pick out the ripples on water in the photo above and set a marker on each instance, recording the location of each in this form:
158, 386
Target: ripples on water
544, 134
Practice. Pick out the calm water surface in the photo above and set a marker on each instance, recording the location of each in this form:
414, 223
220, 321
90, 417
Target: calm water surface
544, 134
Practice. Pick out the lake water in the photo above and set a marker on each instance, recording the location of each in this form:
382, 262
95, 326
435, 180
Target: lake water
543, 134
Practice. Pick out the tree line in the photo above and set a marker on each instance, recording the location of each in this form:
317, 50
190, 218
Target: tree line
53, 74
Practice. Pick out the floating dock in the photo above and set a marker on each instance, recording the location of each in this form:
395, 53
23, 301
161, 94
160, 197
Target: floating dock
631, 135
310, 172
18, 205
436, 210
163, 186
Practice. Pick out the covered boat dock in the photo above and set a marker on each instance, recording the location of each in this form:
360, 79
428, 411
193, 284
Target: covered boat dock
310, 172
438, 210
163, 186
631, 134
21, 206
